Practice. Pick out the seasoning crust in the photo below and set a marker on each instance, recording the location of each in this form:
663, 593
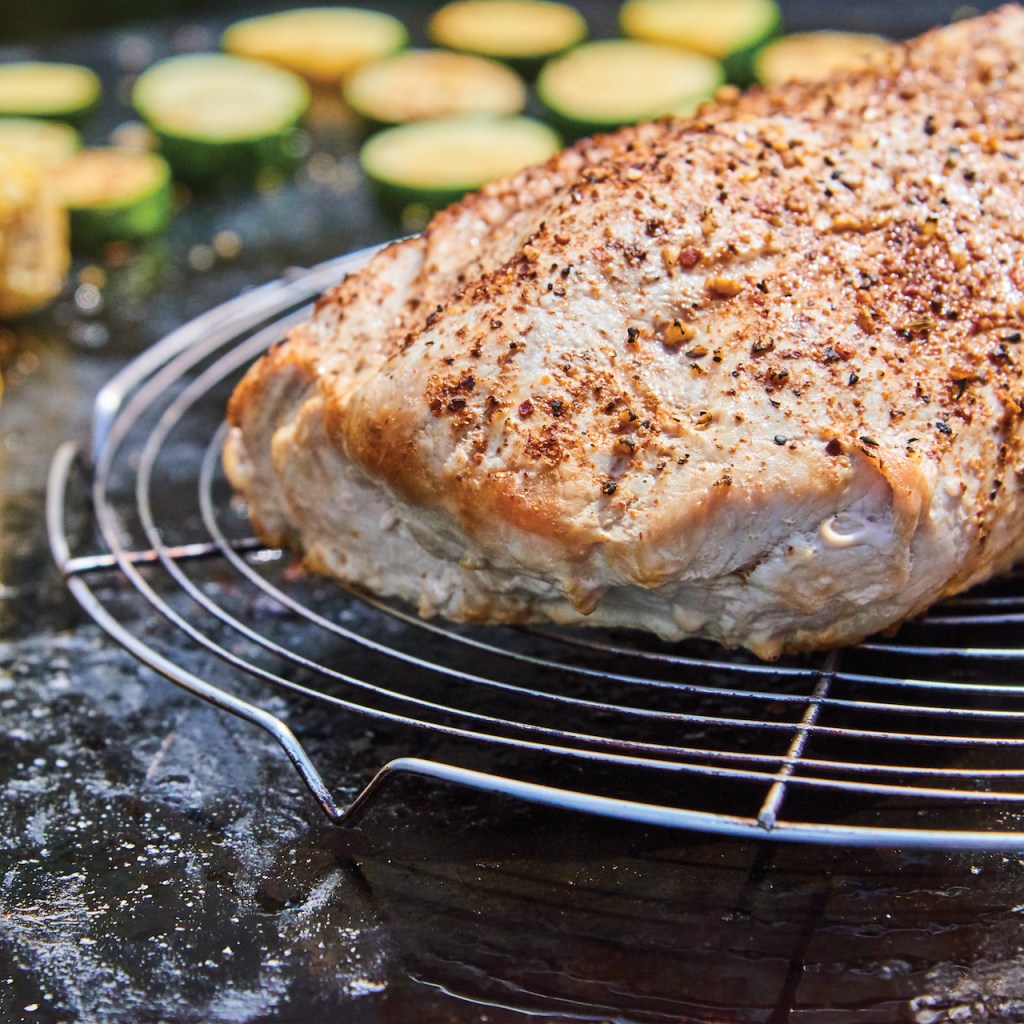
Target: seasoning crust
753, 376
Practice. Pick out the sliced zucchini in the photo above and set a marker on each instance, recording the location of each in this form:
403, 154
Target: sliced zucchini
731, 31
421, 85
433, 163
45, 143
606, 84
523, 33
65, 92
114, 195
323, 44
217, 116
813, 56
34, 253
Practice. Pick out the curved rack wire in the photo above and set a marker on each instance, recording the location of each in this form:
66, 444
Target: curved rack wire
914, 741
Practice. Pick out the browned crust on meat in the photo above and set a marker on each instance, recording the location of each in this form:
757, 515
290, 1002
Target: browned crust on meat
919, 273
841, 269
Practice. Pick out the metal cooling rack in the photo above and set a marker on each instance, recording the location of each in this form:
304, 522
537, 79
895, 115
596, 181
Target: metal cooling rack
915, 741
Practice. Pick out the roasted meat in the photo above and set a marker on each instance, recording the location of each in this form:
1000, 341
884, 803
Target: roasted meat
754, 376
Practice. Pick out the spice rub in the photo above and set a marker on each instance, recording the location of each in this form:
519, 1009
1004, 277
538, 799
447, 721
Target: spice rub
753, 376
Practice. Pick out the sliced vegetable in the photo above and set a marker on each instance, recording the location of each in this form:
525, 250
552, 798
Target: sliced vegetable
420, 85
34, 253
218, 116
731, 31
114, 195
65, 92
812, 56
524, 33
45, 143
323, 44
436, 162
600, 86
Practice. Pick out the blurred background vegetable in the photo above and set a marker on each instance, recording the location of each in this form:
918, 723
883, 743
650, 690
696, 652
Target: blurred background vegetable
176, 125
33, 238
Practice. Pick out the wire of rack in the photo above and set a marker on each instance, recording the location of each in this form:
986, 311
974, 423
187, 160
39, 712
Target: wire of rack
908, 741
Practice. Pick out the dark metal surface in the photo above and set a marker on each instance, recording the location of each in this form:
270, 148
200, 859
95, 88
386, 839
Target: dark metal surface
159, 861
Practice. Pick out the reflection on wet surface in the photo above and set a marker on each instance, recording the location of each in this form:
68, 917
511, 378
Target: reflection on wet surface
170, 866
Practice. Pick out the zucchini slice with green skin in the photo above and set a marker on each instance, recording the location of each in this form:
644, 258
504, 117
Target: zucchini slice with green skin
420, 85
523, 33
222, 117
604, 85
323, 44
45, 143
114, 195
63, 92
434, 163
730, 31
813, 56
